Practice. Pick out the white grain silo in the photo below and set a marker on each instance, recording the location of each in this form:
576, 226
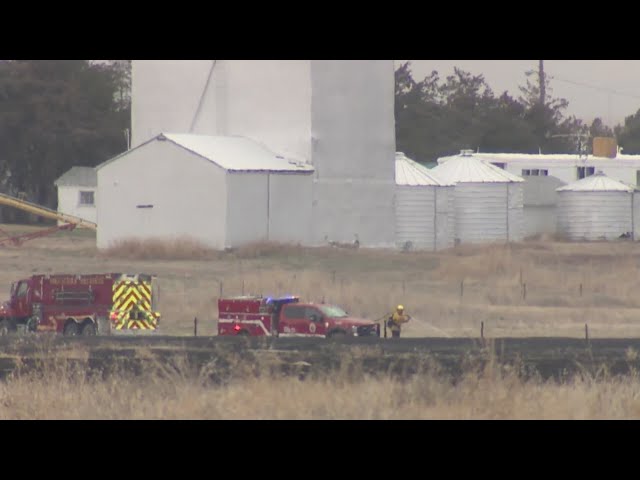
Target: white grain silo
597, 208
424, 207
336, 115
488, 199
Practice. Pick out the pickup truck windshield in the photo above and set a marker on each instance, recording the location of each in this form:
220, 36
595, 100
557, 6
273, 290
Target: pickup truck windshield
332, 311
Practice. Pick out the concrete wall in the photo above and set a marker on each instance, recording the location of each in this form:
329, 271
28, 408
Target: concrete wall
290, 198
69, 203
594, 215
338, 114
268, 100
539, 220
165, 96
188, 194
353, 151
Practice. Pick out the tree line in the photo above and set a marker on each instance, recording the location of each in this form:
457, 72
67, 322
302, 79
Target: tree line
438, 116
56, 114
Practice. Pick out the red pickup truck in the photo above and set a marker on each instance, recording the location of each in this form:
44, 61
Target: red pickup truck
288, 317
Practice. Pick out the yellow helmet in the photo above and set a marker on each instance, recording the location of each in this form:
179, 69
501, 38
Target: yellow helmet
400, 308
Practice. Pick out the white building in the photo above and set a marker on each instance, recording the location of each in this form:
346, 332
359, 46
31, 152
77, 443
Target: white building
567, 168
221, 191
425, 207
337, 115
77, 193
598, 208
488, 200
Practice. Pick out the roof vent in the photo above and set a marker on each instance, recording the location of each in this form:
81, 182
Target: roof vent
466, 153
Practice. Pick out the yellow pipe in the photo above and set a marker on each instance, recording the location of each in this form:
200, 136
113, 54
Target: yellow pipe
45, 212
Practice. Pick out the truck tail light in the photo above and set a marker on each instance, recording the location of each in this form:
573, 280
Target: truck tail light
236, 328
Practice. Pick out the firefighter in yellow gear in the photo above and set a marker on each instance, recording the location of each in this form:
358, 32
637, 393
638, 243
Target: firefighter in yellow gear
396, 320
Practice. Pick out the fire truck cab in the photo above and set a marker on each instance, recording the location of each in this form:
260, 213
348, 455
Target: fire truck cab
288, 317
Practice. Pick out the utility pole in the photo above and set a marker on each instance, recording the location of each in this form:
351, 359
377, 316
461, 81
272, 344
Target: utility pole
541, 82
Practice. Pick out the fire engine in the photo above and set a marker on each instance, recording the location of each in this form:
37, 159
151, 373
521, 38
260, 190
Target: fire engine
288, 317
81, 305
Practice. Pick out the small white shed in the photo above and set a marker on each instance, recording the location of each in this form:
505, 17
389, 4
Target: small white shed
424, 207
77, 193
224, 191
597, 208
488, 200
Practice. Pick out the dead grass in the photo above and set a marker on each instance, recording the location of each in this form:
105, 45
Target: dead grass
65, 391
537, 287
180, 248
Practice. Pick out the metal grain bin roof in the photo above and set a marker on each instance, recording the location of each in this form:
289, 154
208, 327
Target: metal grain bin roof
465, 168
597, 182
411, 173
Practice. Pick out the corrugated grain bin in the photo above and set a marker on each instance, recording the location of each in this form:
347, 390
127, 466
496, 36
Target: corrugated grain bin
488, 199
424, 207
596, 208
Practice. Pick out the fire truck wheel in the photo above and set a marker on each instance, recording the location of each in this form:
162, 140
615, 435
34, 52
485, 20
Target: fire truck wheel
5, 328
71, 329
89, 329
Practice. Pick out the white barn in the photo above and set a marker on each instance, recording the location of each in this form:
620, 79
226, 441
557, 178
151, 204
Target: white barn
598, 208
488, 200
221, 191
425, 217
337, 115
77, 193
567, 168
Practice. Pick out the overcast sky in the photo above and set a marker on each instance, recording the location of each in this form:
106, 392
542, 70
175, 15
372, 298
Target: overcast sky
609, 89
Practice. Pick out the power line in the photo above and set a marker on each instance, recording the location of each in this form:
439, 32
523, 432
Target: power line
594, 87
204, 92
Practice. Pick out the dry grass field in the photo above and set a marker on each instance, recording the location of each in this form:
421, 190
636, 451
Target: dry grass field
534, 288
59, 391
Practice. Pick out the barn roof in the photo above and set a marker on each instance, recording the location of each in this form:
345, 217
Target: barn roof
465, 168
233, 153
236, 153
597, 182
411, 173
78, 177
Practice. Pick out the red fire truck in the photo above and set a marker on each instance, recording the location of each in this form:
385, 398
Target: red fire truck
288, 317
81, 304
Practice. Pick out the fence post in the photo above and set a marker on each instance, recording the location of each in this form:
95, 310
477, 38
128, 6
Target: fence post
461, 289
586, 333
482, 331
580, 289
524, 291
195, 327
